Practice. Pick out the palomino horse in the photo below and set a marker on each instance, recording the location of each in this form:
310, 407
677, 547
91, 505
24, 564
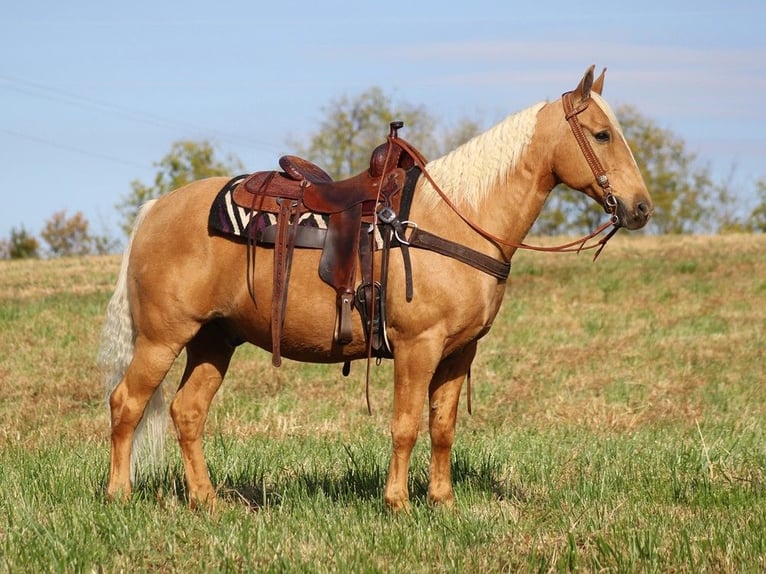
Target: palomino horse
485, 195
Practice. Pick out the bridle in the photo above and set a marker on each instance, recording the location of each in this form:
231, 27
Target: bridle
570, 114
609, 200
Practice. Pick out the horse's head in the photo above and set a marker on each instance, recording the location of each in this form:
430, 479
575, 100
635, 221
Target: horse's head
593, 156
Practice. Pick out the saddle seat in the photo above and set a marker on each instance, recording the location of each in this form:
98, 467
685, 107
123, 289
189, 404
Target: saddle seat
323, 195
303, 186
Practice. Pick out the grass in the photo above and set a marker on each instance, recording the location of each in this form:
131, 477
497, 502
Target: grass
619, 422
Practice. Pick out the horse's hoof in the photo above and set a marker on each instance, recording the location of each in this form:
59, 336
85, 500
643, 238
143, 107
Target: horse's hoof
445, 498
120, 496
203, 502
398, 504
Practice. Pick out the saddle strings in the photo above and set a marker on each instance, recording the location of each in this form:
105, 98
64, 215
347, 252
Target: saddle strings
383, 270
252, 239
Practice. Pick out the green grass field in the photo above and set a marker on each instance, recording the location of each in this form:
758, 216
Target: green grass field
619, 425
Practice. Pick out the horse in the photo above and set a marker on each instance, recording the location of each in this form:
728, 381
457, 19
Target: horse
485, 195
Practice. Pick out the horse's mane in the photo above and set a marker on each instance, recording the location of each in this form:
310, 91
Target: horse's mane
470, 172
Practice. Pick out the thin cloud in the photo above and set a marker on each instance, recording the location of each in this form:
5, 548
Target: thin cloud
664, 79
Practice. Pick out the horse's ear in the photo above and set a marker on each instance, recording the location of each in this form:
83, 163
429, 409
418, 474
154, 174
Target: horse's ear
598, 83
582, 92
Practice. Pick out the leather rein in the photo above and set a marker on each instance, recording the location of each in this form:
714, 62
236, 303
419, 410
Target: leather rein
609, 201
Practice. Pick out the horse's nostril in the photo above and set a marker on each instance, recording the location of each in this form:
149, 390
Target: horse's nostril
643, 208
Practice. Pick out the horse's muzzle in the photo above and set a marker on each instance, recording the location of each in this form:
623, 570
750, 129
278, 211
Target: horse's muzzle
635, 217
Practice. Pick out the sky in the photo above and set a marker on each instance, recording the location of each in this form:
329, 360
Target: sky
94, 93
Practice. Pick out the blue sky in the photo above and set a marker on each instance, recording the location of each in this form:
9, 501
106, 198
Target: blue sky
93, 94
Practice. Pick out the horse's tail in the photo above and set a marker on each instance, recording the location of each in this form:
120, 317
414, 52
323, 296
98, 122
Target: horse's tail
115, 353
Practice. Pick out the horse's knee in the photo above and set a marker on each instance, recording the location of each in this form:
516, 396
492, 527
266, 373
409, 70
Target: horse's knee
404, 434
442, 437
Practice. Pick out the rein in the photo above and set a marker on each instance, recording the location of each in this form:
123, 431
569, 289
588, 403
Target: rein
609, 200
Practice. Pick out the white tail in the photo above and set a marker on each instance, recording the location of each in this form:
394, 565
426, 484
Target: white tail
114, 356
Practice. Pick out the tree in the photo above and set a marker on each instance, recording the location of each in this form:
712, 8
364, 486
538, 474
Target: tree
683, 192
20, 245
187, 161
757, 219
452, 137
353, 127
67, 236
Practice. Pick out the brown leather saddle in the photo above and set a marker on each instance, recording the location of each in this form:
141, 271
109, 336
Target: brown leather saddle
351, 207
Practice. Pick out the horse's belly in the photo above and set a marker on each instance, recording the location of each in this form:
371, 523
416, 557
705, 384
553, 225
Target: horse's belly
309, 315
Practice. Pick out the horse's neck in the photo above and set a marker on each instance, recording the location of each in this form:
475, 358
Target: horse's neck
496, 179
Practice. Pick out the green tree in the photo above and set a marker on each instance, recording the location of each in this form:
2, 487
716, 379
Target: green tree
684, 193
20, 245
354, 126
187, 161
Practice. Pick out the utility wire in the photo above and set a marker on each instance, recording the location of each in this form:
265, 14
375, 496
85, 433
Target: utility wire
86, 102
74, 149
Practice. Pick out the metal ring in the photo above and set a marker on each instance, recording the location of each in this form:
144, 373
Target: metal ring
404, 227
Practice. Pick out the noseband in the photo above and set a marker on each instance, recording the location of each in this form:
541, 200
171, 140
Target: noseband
570, 113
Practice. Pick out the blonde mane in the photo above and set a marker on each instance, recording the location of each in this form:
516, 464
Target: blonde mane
470, 172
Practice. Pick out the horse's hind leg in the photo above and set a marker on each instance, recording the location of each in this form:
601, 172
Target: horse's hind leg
145, 373
208, 356
444, 394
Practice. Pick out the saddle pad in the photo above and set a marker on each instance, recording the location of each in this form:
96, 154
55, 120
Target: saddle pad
228, 218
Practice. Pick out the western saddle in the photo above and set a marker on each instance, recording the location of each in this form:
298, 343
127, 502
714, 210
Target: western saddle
353, 209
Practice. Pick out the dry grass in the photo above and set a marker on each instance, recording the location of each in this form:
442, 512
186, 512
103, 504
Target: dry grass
615, 344
618, 425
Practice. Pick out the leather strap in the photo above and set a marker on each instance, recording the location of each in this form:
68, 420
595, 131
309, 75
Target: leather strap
570, 113
287, 226
490, 265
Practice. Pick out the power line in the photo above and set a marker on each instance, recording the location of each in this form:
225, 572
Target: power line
86, 102
74, 149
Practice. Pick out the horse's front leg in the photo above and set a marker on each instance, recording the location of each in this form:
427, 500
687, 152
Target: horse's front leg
444, 395
413, 369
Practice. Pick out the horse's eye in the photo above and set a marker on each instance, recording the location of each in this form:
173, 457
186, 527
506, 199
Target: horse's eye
603, 137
